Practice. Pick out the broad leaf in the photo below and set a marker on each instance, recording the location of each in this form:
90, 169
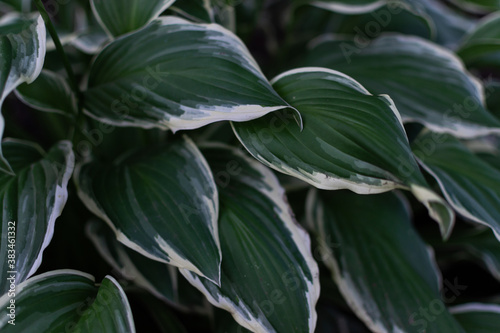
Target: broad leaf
269, 280
161, 202
469, 184
49, 92
195, 10
349, 6
118, 17
161, 280
435, 89
174, 74
31, 202
63, 300
381, 266
478, 6
22, 52
477, 317
351, 139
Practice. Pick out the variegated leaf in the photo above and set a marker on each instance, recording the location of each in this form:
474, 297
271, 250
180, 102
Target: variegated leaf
32, 200
175, 75
161, 201
477, 317
351, 139
269, 279
22, 52
427, 82
383, 269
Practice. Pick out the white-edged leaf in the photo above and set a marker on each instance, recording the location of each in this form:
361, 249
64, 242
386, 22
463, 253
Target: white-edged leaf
161, 280
63, 300
469, 184
478, 6
32, 199
49, 92
22, 53
351, 139
382, 268
160, 201
269, 279
118, 17
90, 41
427, 82
350, 6
477, 317
175, 75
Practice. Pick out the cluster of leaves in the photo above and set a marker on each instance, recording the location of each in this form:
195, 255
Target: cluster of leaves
172, 165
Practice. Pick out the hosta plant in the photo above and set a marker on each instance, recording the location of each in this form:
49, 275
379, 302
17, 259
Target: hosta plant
265, 166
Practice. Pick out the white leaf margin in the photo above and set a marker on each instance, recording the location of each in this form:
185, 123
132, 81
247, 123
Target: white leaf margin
276, 194
175, 259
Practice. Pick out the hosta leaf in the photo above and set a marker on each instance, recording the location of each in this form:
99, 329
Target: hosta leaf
269, 280
481, 47
161, 202
478, 6
477, 317
381, 266
67, 300
469, 184
118, 17
195, 10
31, 202
91, 41
22, 52
428, 83
351, 139
159, 279
178, 75
49, 92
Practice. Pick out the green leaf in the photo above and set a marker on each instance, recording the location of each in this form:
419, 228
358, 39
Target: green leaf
469, 184
49, 92
383, 269
351, 139
481, 46
195, 10
478, 6
269, 280
66, 300
22, 52
161, 202
427, 82
349, 6
31, 202
161, 280
177, 75
117, 17
478, 317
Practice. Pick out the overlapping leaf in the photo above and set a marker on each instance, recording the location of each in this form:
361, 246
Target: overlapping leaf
469, 184
177, 75
161, 202
351, 139
64, 300
22, 52
478, 6
269, 280
159, 279
350, 6
381, 266
428, 83
49, 92
32, 199
118, 17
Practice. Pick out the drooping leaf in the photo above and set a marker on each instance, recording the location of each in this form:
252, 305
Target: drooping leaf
161, 280
269, 280
477, 317
351, 139
117, 17
64, 300
470, 185
49, 92
161, 202
22, 52
174, 74
427, 82
32, 199
381, 266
